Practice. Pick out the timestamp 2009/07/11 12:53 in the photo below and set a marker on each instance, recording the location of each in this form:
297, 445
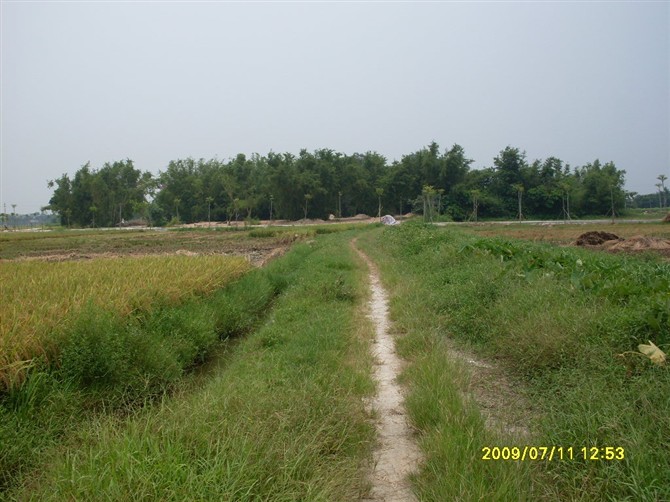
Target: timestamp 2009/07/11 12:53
550, 453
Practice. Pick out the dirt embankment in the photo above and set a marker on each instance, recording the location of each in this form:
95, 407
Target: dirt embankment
595, 238
613, 243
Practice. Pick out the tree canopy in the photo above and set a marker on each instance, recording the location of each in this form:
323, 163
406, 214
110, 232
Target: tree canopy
316, 184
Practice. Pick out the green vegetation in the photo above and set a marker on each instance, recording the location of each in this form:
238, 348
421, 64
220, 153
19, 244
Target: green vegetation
325, 182
279, 417
567, 323
101, 358
43, 301
207, 382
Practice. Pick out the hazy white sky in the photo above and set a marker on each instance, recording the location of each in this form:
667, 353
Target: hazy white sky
157, 81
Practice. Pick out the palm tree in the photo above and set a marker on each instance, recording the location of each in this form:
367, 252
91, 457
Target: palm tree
662, 178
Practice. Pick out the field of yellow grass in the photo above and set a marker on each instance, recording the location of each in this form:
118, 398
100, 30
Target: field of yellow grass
40, 298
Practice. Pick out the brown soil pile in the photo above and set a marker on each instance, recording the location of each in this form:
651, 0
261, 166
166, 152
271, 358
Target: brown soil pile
639, 243
595, 238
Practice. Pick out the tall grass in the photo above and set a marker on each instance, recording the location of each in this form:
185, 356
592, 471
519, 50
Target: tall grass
105, 361
281, 418
567, 323
42, 299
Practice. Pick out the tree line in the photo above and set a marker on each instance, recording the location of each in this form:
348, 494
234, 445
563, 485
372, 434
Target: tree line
439, 184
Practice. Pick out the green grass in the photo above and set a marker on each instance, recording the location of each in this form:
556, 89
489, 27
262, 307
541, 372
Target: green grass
256, 391
280, 417
42, 300
557, 319
108, 361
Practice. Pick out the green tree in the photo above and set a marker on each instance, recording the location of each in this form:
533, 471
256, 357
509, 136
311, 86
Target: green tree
600, 188
509, 167
61, 201
429, 197
454, 168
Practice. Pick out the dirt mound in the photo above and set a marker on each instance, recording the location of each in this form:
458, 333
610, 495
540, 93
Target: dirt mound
667, 218
639, 243
596, 238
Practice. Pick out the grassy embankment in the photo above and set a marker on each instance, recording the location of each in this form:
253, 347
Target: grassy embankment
567, 323
280, 418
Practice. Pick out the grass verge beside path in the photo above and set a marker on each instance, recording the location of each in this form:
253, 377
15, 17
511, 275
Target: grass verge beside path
451, 430
282, 419
567, 323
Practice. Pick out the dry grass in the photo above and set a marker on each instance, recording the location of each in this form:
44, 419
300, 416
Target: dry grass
40, 298
568, 233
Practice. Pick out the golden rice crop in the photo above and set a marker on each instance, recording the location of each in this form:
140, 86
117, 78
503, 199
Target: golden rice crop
39, 298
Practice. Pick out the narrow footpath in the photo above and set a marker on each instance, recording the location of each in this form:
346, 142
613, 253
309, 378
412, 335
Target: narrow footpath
397, 455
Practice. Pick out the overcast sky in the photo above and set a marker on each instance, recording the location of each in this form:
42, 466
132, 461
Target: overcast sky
158, 81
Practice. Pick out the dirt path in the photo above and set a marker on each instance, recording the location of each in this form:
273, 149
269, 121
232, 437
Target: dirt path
397, 454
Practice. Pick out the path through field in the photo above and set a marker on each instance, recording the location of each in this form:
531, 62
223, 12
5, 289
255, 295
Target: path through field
397, 454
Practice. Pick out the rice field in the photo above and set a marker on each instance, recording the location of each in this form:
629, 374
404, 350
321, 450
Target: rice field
40, 298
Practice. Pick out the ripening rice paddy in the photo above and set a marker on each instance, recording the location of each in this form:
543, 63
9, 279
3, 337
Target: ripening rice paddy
40, 299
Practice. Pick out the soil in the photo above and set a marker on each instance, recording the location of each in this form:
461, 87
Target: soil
74, 246
504, 408
359, 218
397, 455
639, 243
615, 244
595, 238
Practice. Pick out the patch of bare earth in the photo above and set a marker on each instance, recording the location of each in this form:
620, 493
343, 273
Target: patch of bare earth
503, 406
397, 455
257, 257
615, 244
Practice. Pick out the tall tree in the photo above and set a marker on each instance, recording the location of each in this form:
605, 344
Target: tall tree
662, 178
509, 166
600, 188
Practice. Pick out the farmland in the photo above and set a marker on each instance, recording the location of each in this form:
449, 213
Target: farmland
558, 325
567, 234
192, 375
43, 299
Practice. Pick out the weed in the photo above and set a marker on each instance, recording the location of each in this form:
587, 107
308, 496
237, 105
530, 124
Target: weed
282, 419
557, 318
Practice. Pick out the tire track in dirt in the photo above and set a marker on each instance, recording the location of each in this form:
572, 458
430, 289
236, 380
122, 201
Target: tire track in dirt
397, 454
